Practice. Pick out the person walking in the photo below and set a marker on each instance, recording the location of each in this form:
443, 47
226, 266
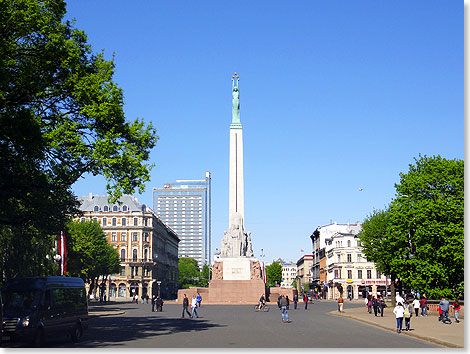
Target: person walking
185, 306
382, 305
424, 305
375, 305
456, 307
340, 304
288, 302
296, 300
284, 314
194, 307
369, 303
279, 301
153, 303
199, 299
416, 306
305, 300
399, 312
407, 315
159, 303
444, 304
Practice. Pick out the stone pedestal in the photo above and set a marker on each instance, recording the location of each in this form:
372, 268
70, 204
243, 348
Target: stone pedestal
235, 291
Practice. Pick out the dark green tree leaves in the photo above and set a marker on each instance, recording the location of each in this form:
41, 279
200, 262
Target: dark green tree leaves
61, 116
273, 274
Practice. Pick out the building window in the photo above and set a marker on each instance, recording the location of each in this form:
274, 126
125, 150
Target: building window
95, 220
124, 208
349, 256
122, 271
82, 219
369, 274
359, 274
135, 236
135, 221
359, 257
113, 237
123, 255
349, 243
337, 273
379, 275
145, 221
134, 255
123, 236
115, 208
105, 222
114, 221
338, 257
358, 243
146, 254
96, 208
146, 237
105, 208
123, 221
349, 274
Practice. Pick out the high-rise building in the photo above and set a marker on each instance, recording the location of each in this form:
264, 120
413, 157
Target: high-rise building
185, 206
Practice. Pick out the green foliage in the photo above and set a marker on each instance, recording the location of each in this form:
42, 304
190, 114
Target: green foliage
420, 238
89, 253
294, 284
273, 274
189, 272
205, 276
61, 116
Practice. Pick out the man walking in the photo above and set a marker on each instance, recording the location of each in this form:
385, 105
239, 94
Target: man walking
340, 304
185, 306
153, 303
382, 306
424, 305
194, 306
284, 314
444, 304
305, 300
296, 299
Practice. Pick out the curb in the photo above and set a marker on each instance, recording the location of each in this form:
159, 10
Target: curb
106, 313
428, 339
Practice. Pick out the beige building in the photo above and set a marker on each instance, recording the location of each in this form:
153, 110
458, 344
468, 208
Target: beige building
289, 274
304, 271
348, 270
147, 247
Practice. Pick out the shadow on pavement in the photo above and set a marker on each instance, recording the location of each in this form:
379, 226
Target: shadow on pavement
123, 329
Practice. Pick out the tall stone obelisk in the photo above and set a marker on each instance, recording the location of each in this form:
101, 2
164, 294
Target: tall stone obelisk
236, 192
236, 275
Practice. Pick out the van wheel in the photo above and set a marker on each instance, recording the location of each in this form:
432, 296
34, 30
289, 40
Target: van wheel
76, 333
39, 339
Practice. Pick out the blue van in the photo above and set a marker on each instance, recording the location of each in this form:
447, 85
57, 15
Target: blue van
35, 309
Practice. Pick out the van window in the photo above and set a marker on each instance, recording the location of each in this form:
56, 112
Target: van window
21, 299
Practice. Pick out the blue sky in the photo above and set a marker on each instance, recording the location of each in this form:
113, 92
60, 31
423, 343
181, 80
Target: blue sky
334, 96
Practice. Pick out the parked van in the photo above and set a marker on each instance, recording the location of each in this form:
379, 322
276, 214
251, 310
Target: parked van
35, 309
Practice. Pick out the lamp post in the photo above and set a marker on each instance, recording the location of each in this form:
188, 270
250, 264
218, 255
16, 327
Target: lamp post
158, 283
262, 255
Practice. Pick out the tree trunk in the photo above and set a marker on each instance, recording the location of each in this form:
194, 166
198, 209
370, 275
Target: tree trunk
392, 289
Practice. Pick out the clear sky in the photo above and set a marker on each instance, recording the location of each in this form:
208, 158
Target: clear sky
334, 96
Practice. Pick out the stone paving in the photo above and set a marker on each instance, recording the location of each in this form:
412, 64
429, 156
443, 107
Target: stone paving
427, 328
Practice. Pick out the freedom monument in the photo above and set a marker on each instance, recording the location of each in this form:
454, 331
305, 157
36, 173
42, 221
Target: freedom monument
236, 274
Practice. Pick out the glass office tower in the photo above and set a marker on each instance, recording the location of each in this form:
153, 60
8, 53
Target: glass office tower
185, 206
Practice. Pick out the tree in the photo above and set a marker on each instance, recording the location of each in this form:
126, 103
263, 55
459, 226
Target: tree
204, 276
189, 272
89, 255
419, 239
378, 246
61, 116
427, 224
273, 274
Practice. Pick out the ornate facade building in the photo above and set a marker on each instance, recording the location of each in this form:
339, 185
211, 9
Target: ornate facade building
147, 247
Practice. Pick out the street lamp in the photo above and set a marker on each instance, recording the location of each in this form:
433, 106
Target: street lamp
158, 283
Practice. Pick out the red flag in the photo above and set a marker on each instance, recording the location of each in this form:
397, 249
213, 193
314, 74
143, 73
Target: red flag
62, 251
302, 251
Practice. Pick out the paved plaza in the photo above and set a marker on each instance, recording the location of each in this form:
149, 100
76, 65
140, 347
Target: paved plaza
126, 325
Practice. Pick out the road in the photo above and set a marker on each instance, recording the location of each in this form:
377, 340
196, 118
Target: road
235, 327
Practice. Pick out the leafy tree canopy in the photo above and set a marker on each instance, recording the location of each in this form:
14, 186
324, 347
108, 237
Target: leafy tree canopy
273, 274
420, 238
189, 272
61, 116
89, 255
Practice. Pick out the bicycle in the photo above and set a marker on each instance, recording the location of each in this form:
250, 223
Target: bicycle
264, 308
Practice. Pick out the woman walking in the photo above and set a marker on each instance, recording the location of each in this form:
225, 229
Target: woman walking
407, 315
416, 306
399, 312
375, 305
456, 307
